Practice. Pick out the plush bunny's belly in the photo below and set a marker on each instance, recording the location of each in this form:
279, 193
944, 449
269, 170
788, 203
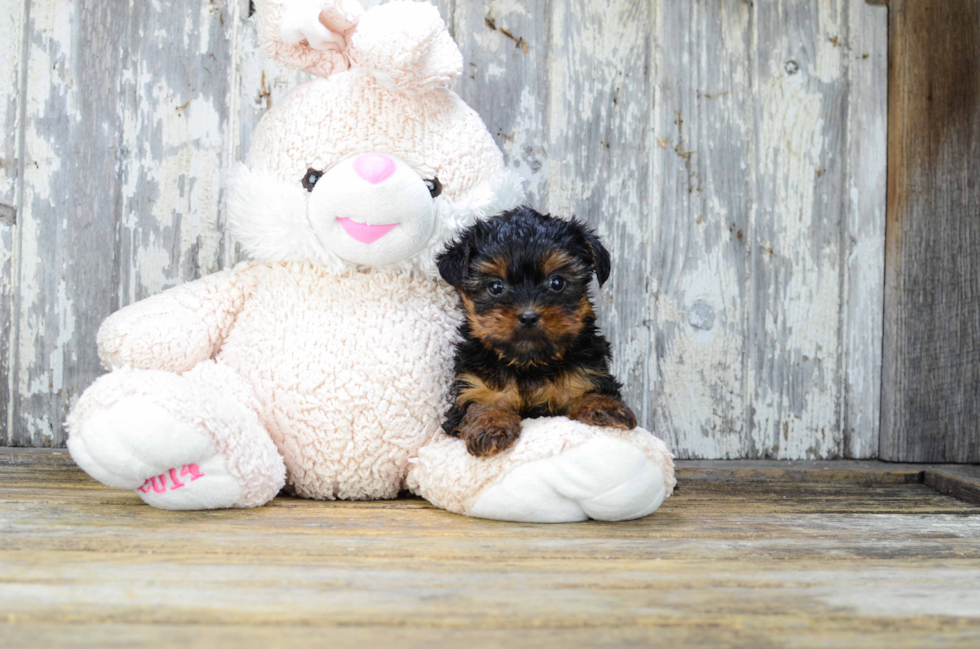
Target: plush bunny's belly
352, 372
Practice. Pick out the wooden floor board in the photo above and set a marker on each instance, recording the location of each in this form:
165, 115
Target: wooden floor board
746, 563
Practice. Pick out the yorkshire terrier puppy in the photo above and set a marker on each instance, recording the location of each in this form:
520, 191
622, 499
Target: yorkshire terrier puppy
530, 346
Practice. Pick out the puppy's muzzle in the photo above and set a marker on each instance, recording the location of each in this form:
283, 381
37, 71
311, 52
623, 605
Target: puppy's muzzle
529, 319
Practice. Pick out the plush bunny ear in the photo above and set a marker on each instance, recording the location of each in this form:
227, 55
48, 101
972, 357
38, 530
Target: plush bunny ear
310, 35
405, 46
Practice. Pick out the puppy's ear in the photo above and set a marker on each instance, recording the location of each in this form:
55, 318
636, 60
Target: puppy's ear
454, 262
599, 256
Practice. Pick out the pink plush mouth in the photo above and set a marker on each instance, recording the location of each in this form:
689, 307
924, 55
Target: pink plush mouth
365, 233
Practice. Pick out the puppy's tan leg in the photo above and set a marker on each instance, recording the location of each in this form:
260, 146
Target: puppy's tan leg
600, 410
488, 430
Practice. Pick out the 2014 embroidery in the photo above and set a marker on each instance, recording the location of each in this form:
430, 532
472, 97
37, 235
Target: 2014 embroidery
159, 483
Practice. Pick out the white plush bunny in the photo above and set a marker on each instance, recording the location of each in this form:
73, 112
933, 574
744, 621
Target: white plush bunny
323, 365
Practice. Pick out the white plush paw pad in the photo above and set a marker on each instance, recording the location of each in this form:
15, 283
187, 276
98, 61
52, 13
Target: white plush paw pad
136, 443
605, 479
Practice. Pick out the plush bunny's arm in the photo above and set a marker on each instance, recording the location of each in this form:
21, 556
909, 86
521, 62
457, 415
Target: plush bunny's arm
177, 329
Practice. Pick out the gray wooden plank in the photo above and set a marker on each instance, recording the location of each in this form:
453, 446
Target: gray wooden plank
599, 139
961, 481
931, 358
68, 212
866, 472
793, 241
36, 457
701, 205
12, 15
176, 110
759, 564
123, 149
506, 53
864, 239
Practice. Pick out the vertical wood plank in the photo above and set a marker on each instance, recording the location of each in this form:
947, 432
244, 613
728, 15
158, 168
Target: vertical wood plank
599, 136
794, 238
864, 256
506, 49
175, 115
931, 357
69, 209
703, 193
12, 14
123, 145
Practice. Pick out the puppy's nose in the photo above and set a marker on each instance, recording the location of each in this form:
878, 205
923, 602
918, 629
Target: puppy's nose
374, 167
528, 319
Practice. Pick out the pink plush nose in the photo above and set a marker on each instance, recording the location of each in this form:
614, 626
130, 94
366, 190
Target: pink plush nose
374, 167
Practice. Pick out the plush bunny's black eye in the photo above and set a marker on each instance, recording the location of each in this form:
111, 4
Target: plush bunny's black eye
435, 187
557, 284
310, 178
496, 287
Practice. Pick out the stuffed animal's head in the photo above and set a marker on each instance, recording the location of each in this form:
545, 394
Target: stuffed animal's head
375, 164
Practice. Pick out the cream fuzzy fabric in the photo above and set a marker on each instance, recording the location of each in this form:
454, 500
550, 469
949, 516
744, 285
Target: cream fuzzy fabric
211, 401
453, 479
384, 93
346, 373
306, 369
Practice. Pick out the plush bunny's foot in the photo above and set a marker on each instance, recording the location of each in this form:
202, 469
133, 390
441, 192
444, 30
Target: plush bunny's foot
182, 442
558, 471
136, 444
605, 479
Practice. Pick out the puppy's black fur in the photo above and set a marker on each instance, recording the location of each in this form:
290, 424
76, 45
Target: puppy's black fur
530, 346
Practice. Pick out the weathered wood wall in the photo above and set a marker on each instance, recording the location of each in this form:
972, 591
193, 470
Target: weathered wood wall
931, 387
732, 153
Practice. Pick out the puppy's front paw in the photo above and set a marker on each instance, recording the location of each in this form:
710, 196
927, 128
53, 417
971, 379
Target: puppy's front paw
600, 410
488, 430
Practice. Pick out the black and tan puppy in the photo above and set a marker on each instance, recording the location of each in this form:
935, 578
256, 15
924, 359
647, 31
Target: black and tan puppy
530, 346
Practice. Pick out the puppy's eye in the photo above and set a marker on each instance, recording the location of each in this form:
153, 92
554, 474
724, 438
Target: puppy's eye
495, 287
557, 284
310, 178
435, 187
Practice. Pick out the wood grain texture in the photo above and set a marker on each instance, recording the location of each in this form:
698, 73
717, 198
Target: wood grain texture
125, 131
931, 365
701, 201
728, 152
759, 350
794, 233
959, 481
754, 565
864, 229
12, 20
506, 52
867, 472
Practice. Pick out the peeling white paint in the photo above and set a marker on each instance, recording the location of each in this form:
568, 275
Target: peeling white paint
744, 279
863, 279
66, 331
162, 128
11, 26
37, 428
37, 194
